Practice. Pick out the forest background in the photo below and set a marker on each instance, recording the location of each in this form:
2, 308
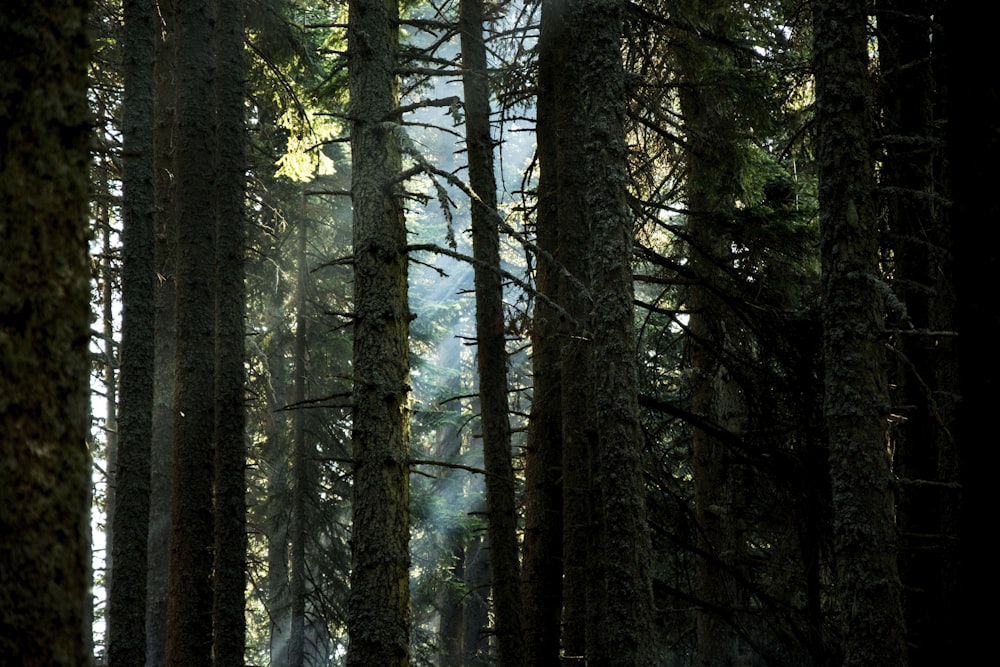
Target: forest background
463, 333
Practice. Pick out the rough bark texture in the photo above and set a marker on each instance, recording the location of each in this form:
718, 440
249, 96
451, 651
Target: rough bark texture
44, 332
624, 613
161, 459
581, 571
190, 600
378, 607
229, 610
542, 568
130, 520
491, 354
855, 400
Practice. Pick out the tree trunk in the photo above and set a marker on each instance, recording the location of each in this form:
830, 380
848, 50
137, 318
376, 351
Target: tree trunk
44, 333
378, 607
856, 392
161, 459
189, 622
623, 614
492, 345
580, 571
297, 569
229, 611
130, 521
542, 567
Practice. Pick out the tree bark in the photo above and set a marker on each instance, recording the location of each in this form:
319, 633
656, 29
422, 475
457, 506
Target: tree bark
44, 334
542, 567
130, 521
378, 607
491, 344
856, 392
229, 609
161, 458
190, 601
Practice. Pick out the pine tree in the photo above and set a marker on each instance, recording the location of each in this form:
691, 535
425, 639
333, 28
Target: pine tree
378, 608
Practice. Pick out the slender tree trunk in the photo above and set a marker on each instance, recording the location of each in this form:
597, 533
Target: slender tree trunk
449, 489
277, 508
856, 400
190, 601
44, 333
378, 607
110, 371
542, 567
127, 599
297, 580
492, 345
229, 611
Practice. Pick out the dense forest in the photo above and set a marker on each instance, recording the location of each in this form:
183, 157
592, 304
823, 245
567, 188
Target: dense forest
466, 333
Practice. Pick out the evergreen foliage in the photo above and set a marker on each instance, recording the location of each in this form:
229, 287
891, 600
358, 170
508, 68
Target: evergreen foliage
721, 192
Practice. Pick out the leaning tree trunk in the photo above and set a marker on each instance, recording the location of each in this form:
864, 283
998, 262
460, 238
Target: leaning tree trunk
378, 616
856, 392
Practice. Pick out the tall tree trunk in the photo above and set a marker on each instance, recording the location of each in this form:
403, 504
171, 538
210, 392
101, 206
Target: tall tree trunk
110, 371
378, 607
623, 615
277, 456
542, 567
449, 489
297, 579
580, 570
189, 622
130, 521
161, 458
44, 333
491, 344
229, 610
856, 400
